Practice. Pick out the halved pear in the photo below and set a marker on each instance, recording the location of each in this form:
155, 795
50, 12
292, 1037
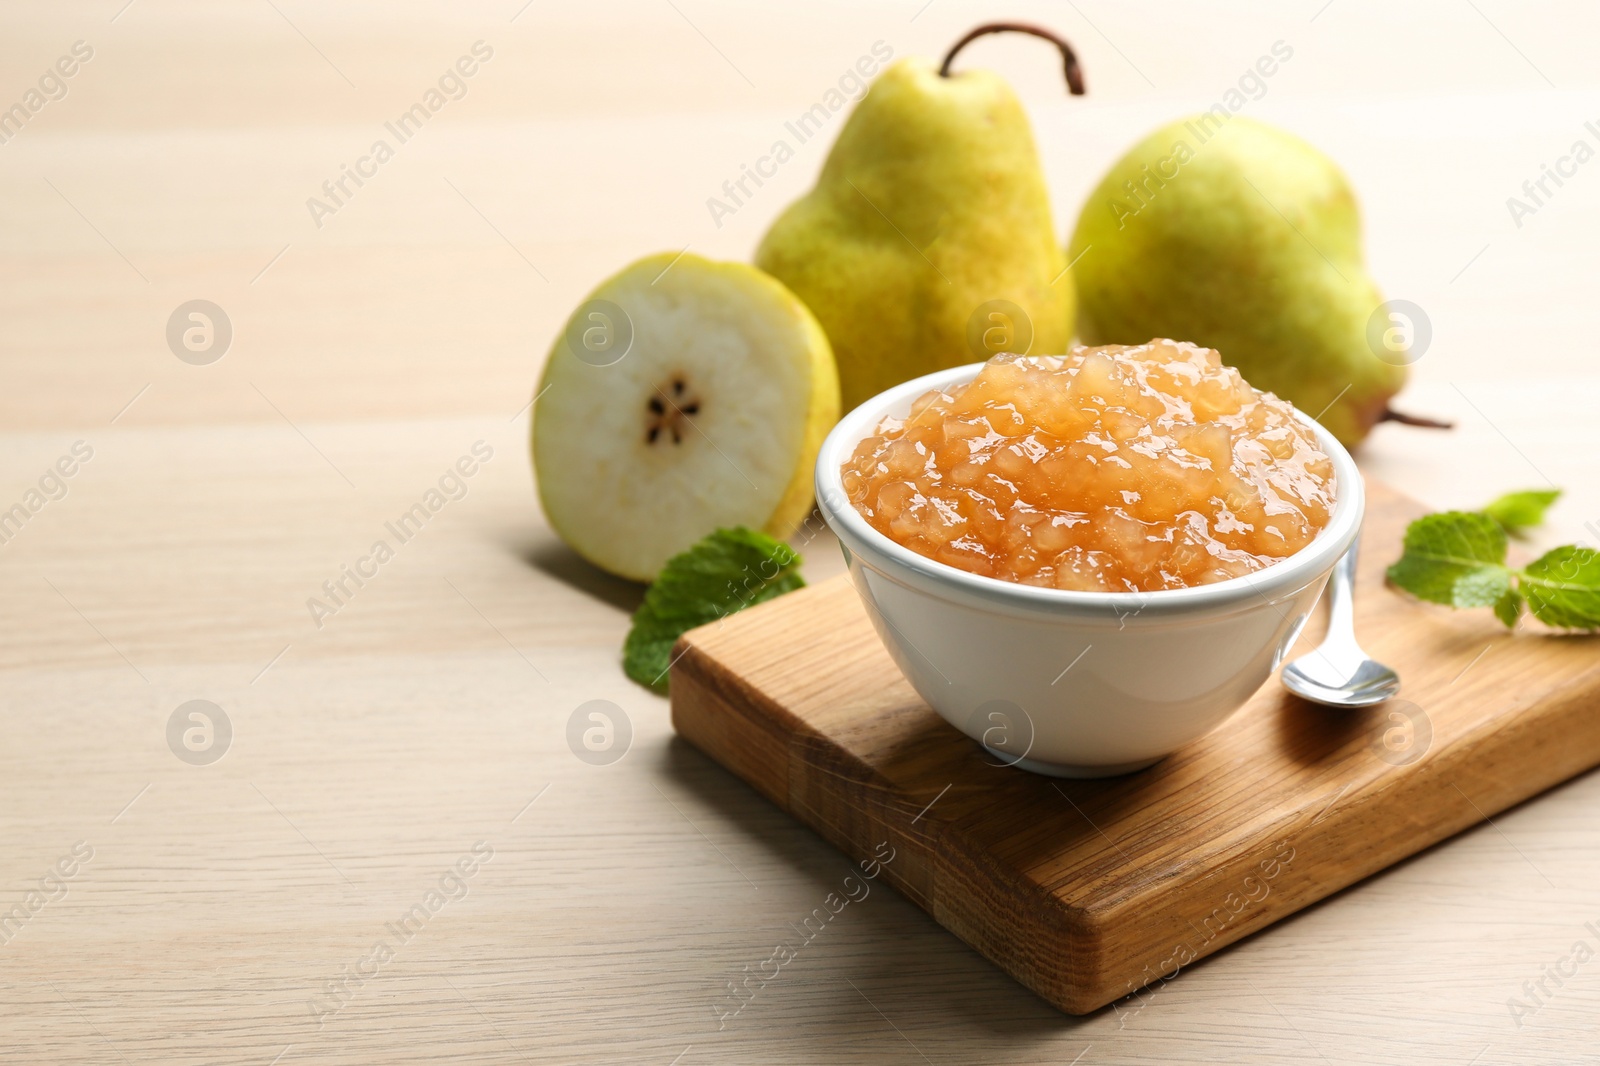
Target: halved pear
684, 395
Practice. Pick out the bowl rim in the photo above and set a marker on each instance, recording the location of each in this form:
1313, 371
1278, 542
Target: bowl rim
1283, 578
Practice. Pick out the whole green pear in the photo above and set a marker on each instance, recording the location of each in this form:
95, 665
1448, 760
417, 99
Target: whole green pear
1241, 237
928, 227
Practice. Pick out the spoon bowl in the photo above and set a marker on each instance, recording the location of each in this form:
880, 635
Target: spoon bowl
1337, 673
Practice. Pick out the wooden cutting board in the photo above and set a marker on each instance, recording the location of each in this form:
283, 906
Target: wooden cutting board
1088, 891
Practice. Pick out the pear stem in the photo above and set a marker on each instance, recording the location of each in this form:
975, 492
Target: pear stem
1068, 59
1391, 415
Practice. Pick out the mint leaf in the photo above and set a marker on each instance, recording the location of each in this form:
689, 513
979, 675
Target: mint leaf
1563, 588
1484, 587
1508, 608
1517, 511
1456, 558
725, 572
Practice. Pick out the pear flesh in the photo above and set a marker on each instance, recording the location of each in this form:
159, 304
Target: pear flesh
1240, 237
927, 242
684, 396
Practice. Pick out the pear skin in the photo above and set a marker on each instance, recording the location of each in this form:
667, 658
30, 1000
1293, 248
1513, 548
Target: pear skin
1240, 237
931, 204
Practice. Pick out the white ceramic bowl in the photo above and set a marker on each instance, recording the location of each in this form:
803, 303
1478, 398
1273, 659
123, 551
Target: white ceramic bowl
1075, 684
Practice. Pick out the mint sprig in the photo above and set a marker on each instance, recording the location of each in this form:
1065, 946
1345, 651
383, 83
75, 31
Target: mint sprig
1517, 511
1563, 587
1458, 558
723, 573
1455, 558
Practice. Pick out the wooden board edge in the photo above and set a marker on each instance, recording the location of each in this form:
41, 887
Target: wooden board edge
931, 866
1046, 945
1333, 848
766, 746
707, 708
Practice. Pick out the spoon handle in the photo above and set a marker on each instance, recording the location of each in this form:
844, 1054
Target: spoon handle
1341, 591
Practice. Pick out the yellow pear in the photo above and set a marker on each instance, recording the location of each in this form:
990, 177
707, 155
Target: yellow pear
1241, 237
928, 241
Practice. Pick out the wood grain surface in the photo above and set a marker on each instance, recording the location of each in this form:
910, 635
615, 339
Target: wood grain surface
370, 755
1089, 891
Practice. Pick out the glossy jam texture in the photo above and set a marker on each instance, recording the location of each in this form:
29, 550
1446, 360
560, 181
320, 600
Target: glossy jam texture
1114, 469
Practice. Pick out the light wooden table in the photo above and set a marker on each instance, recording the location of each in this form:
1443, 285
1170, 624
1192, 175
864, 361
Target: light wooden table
232, 912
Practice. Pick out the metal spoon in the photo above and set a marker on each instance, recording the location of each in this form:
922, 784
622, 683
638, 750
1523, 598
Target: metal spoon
1338, 673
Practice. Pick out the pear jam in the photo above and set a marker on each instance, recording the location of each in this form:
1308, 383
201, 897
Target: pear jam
1114, 469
